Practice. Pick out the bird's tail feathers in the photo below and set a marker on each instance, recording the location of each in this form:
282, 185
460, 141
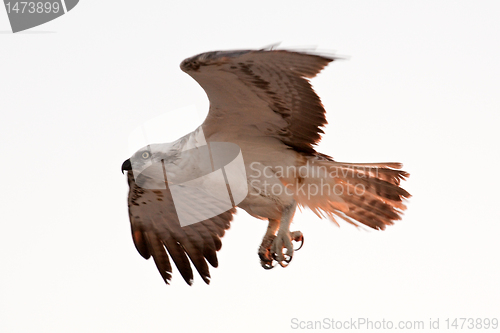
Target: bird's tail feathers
359, 193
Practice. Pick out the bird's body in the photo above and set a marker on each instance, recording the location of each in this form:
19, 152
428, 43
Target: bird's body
260, 101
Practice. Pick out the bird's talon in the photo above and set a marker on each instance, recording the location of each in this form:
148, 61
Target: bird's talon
279, 249
297, 236
284, 263
267, 264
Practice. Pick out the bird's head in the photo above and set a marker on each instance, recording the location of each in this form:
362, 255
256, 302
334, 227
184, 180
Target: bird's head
152, 165
159, 165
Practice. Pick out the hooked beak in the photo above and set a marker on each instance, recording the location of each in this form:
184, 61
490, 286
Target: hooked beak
127, 165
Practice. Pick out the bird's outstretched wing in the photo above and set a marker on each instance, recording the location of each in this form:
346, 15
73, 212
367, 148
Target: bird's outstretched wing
156, 230
264, 92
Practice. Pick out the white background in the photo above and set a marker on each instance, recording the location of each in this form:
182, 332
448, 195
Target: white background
421, 86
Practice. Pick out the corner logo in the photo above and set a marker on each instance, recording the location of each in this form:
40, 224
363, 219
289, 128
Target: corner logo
28, 14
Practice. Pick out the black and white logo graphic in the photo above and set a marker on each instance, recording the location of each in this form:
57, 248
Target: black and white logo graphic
28, 14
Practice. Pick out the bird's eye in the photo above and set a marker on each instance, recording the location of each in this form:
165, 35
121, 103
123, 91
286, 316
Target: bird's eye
145, 155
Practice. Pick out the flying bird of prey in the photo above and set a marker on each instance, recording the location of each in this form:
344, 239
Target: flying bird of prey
262, 103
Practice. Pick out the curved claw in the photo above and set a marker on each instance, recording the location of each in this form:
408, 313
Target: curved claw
267, 264
301, 244
286, 258
297, 236
279, 249
285, 262
282, 263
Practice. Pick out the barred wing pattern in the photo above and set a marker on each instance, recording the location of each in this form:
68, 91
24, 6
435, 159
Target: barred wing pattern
267, 90
156, 230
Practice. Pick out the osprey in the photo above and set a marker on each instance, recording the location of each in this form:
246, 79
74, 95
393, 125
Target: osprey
258, 142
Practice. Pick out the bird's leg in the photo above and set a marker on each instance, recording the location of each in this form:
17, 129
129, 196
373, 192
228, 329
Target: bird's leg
266, 259
281, 248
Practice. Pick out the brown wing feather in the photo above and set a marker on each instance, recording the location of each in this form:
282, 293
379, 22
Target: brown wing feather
156, 231
276, 81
